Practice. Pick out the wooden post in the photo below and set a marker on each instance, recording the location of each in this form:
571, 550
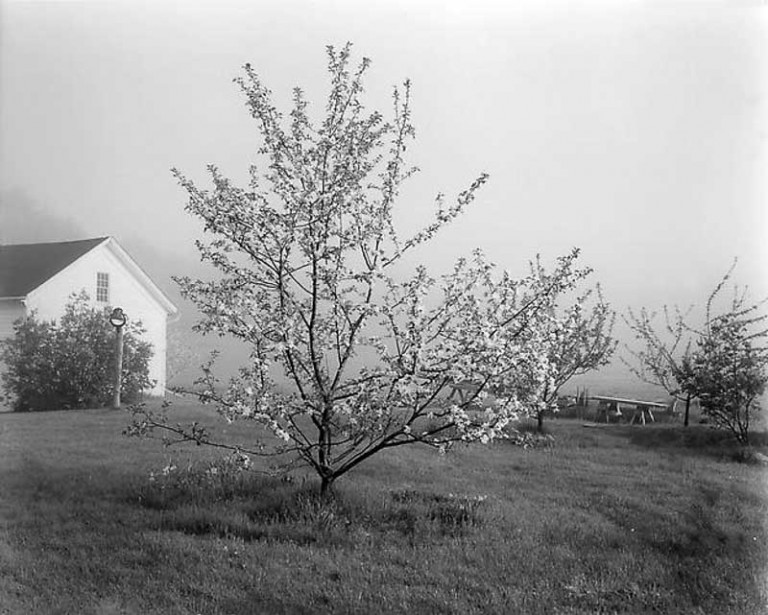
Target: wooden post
118, 367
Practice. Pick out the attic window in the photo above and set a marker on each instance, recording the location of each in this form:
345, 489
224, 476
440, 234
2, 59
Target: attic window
102, 287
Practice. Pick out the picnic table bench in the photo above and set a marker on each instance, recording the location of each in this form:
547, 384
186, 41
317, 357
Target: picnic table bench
612, 405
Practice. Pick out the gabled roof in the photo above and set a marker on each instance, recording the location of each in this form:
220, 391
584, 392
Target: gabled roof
24, 267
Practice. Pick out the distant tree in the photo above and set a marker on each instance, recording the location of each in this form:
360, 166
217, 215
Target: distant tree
575, 341
70, 364
723, 363
664, 352
305, 280
181, 355
727, 368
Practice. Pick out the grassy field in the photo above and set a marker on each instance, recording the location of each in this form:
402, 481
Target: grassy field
607, 520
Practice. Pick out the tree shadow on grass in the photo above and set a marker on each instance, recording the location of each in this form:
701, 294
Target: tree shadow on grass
708, 552
694, 440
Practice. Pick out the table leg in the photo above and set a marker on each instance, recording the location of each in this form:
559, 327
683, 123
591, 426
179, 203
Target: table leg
602, 410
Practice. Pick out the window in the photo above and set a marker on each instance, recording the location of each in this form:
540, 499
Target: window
102, 287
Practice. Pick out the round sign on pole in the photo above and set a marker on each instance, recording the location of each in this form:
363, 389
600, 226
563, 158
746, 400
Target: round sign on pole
117, 317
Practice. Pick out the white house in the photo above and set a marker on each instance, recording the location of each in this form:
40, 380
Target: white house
43, 276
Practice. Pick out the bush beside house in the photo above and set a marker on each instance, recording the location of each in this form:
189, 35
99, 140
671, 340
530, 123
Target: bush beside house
71, 363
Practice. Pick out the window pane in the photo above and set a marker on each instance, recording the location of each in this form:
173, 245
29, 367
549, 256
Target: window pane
102, 287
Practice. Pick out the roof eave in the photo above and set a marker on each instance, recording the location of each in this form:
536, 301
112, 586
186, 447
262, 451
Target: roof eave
37, 288
169, 307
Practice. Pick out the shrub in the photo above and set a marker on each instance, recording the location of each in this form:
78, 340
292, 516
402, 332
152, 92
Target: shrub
71, 364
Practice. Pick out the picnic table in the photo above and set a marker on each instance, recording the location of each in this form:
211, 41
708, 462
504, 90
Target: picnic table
463, 390
612, 406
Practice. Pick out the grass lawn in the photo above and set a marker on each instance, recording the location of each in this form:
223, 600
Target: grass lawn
614, 519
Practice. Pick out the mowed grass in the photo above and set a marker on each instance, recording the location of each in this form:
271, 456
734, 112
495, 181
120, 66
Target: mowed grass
608, 520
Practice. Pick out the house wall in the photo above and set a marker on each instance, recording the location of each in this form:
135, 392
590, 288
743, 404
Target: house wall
50, 299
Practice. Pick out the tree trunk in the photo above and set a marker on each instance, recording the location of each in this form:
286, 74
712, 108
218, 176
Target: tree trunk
744, 426
687, 409
540, 421
326, 485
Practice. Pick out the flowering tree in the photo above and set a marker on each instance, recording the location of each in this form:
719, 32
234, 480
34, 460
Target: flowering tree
664, 356
727, 369
181, 355
723, 363
305, 255
572, 341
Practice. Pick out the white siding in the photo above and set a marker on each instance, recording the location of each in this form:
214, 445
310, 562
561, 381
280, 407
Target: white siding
124, 291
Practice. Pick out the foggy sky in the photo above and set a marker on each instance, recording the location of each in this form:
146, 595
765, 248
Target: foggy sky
636, 132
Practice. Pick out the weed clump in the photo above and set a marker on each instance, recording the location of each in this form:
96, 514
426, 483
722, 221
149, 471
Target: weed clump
210, 481
447, 514
528, 436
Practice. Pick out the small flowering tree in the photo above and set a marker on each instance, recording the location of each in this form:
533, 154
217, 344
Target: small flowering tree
305, 255
663, 358
722, 363
727, 368
729, 375
181, 355
571, 341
